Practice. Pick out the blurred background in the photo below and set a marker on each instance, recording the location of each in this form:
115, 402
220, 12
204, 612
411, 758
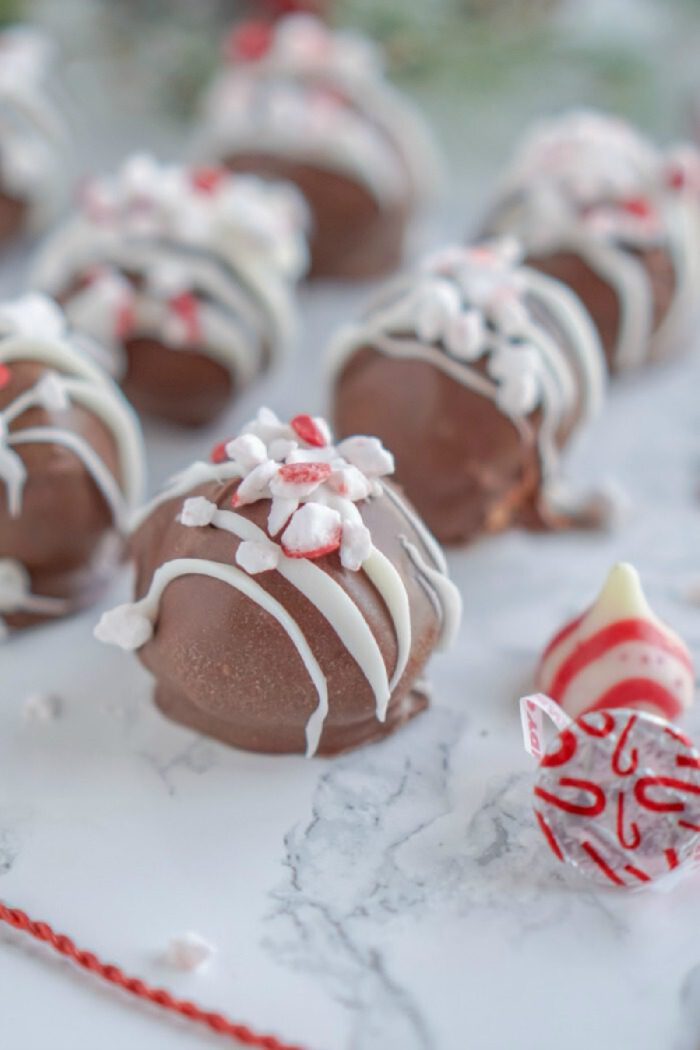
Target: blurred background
481, 68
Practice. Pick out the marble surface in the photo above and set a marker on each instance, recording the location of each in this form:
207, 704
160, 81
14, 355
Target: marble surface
399, 897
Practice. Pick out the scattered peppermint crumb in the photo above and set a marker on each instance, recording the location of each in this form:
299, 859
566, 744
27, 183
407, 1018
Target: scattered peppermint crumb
42, 707
188, 951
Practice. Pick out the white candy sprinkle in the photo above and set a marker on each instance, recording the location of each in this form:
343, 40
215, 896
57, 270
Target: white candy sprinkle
124, 626
350, 483
355, 546
466, 334
280, 513
197, 511
255, 557
255, 485
247, 450
51, 393
313, 528
189, 951
368, 455
42, 707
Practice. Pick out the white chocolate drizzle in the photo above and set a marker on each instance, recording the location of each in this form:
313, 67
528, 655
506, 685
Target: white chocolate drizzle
32, 329
33, 134
214, 255
469, 307
320, 96
588, 184
338, 483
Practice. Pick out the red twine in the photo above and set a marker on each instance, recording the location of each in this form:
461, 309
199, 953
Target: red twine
216, 1022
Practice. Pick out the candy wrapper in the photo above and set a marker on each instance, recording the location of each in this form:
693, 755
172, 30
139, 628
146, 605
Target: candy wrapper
617, 793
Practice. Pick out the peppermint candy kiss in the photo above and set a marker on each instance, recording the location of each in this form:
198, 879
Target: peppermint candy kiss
618, 654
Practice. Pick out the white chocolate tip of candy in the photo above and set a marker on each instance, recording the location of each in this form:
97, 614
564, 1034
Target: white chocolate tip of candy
621, 598
125, 626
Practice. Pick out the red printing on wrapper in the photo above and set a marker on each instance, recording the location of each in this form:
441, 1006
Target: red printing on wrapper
617, 794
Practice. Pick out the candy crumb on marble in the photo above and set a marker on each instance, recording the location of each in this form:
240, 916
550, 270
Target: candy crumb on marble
42, 707
189, 952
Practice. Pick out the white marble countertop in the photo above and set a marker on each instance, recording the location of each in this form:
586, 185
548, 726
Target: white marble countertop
398, 897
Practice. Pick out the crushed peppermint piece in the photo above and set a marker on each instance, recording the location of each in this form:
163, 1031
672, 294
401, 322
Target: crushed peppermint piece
248, 449
197, 511
314, 530
255, 484
51, 393
124, 626
313, 431
313, 488
255, 557
5, 376
280, 512
368, 455
42, 707
189, 951
219, 453
355, 546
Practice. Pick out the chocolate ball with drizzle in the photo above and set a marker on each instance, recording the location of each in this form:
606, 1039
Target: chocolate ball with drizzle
302, 102
185, 277
287, 596
476, 371
599, 207
71, 468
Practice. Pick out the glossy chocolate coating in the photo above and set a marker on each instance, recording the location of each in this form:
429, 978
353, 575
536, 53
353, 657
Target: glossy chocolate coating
225, 667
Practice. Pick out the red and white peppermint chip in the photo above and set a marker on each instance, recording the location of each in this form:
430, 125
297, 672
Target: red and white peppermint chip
618, 796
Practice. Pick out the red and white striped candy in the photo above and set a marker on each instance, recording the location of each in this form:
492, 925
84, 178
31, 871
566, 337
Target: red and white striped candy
618, 654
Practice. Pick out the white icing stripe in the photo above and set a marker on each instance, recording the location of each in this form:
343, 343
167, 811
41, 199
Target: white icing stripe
198, 473
427, 539
89, 386
678, 326
100, 474
448, 597
388, 582
632, 283
574, 319
148, 607
331, 601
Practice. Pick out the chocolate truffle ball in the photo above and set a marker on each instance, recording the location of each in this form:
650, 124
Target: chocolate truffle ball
301, 102
476, 371
34, 140
603, 210
71, 468
287, 597
185, 277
